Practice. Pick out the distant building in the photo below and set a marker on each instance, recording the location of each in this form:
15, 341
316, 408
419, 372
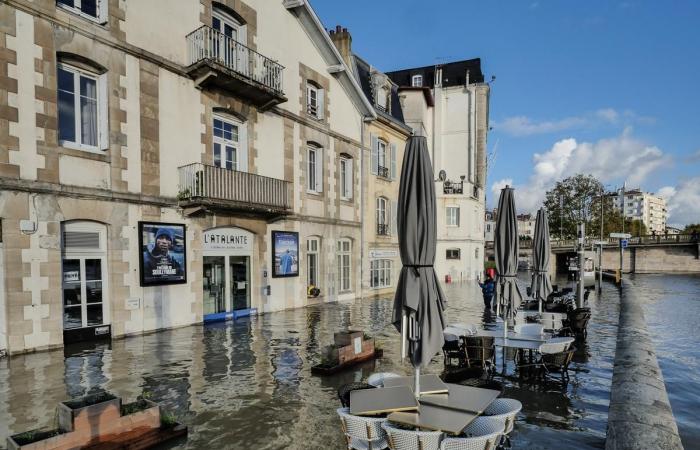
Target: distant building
489, 226
449, 105
673, 231
526, 226
650, 209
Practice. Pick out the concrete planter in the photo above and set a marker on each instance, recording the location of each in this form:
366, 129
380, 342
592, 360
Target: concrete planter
98, 420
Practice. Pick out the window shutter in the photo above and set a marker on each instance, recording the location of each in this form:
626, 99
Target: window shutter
319, 170
394, 218
103, 11
349, 178
103, 112
375, 153
243, 147
320, 96
393, 161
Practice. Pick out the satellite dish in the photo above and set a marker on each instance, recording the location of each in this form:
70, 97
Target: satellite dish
442, 175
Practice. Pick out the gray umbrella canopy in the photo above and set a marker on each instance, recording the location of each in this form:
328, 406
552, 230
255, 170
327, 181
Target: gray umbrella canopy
506, 247
419, 297
541, 286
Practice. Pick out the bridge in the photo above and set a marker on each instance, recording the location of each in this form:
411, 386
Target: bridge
678, 253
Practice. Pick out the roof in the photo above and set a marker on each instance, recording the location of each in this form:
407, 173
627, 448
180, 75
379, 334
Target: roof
303, 11
363, 71
453, 74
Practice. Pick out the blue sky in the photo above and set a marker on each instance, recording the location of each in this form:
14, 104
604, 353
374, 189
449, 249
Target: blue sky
603, 87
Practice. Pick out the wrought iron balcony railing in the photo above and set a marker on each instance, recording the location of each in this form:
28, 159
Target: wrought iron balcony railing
382, 229
383, 171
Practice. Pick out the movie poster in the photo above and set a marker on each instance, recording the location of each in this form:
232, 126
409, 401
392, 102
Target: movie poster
285, 250
163, 253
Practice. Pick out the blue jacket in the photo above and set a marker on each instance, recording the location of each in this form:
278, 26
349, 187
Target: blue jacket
487, 288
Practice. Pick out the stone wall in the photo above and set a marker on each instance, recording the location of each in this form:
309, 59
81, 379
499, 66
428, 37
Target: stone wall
655, 259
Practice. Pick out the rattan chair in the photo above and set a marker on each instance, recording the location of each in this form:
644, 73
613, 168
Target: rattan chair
362, 433
401, 439
484, 433
453, 350
504, 410
480, 351
556, 355
377, 379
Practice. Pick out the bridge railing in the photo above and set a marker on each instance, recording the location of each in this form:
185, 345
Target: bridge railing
649, 239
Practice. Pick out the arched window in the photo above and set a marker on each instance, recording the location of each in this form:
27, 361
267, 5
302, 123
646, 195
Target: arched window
383, 216
84, 274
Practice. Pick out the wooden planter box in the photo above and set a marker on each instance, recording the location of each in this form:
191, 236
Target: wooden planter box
348, 353
101, 425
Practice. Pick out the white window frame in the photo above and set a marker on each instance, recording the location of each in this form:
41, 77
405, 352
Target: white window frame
382, 158
383, 96
417, 81
314, 100
313, 244
346, 178
452, 216
314, 169
383, 213
101, 6
240, 145
380, 270
344, 252
100, 107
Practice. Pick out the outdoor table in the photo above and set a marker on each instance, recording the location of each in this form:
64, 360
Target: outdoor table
512, 335
429, 384
462, 398
383, 400
435, 418
518, 343
550, 320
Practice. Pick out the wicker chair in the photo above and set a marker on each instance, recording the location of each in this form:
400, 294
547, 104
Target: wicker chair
556, 355
480, 351
504, 410
363, 433
483, 433
344, 392
401, 439
577, 321
453, 350
377, 379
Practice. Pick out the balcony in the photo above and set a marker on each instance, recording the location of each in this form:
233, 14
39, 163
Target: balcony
382, 229
220, 62
204, 187
451, 187
383, 172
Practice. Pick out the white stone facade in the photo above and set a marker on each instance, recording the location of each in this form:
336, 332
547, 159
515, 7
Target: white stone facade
644, 206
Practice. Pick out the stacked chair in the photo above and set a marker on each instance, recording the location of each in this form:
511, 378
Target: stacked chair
363, 433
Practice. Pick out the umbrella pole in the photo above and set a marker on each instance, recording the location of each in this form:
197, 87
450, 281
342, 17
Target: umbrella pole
404, 336
416, 381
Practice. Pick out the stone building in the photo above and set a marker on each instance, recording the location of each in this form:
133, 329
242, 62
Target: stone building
449, 104
166, 166
381, 168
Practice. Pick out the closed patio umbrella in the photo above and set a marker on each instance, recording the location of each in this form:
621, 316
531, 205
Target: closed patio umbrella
541, 286
506, 247
419, 300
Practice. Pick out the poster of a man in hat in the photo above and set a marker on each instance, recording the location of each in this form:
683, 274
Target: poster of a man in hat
163, 253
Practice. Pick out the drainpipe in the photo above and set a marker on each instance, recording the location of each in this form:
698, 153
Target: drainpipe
365, 120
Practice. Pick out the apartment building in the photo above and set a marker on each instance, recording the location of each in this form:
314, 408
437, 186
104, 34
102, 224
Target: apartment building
449, 104
166, 166
382, 161
650, 209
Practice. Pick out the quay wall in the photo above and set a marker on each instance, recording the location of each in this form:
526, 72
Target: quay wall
640, 414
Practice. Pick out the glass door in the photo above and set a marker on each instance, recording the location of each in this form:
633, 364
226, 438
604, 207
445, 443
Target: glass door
214, 284
226, 142
82, 293
240, 282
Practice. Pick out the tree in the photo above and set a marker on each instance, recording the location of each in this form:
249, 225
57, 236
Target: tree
692, 228
569, 203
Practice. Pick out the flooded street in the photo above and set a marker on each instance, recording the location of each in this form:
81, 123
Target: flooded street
247, 384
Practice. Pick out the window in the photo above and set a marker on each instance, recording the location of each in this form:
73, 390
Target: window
453, 253
417, 81
476, 253
314, 169
314, 100
312, 246
231, 31
452, 216
383, 158
383, 98
90, 9
380, 273
344, 247
383, 216
346, 178
83, 274
82, 112
230, 144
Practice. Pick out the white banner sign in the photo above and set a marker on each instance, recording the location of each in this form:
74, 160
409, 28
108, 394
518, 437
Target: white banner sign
228, 238
383, 253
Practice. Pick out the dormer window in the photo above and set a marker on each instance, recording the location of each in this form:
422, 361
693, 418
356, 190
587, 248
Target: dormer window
383, 97
417, 81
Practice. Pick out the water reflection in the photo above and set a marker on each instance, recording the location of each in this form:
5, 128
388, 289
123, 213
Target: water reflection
248, 384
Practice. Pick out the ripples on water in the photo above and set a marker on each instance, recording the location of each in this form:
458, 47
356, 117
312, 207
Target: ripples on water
248, 384
672, 309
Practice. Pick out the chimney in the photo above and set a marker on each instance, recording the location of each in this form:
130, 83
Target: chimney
343, 42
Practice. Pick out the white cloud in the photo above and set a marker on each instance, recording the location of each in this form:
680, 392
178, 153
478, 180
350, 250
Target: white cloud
682, 201
611, 160
694, 157
500, 184
526, 126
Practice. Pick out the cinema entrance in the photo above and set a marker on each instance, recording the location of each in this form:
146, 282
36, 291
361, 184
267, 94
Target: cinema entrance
227, 261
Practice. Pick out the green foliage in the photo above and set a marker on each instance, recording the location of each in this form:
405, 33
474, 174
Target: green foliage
89, 400
32, 436
138, 405
167, 419
692, 228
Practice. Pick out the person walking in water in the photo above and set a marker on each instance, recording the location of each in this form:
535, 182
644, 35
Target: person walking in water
487, 289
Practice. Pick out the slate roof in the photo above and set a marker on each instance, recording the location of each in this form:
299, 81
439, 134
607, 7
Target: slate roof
363, 72
453, 74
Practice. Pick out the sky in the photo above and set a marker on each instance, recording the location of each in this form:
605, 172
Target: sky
608, 88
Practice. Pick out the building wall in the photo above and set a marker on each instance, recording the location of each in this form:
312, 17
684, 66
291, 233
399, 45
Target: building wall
157, 121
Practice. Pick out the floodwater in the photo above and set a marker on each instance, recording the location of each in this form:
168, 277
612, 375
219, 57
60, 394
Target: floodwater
248, 384
672, 310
